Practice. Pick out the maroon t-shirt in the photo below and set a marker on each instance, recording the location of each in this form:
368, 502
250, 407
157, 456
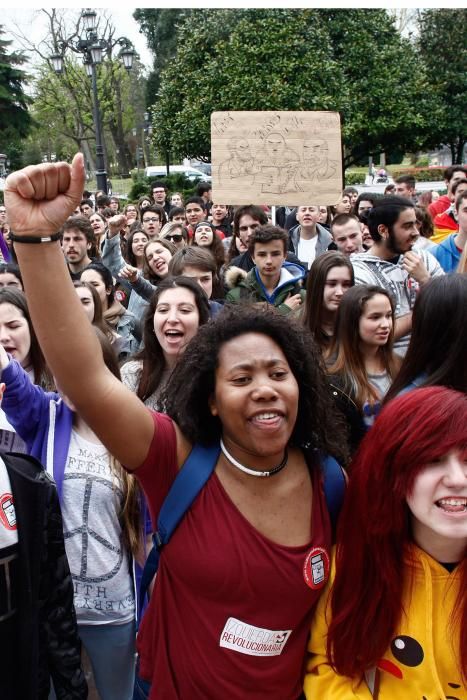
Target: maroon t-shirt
230, 613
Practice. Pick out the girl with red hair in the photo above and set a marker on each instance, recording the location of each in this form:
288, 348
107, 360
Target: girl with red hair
394, 622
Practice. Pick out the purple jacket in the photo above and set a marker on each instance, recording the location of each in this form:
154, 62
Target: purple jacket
45, 422
40, 418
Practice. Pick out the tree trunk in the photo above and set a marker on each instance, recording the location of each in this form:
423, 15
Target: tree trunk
460, 151
88, 157
452, 146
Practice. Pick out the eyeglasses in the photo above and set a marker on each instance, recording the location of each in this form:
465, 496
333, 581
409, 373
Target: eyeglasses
175, 237
152, 220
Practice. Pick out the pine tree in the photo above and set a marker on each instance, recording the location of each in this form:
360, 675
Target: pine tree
15, 120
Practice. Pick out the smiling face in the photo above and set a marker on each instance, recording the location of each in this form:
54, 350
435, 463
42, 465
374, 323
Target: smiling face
218, 213
376, 321
404, 233
204, 235
14, 333
338, 282
176, 321
158, 258
137, 245
255, 397
438, 506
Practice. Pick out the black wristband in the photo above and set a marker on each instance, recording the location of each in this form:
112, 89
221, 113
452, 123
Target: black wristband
34, 239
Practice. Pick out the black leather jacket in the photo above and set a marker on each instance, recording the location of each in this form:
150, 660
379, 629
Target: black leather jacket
49, 646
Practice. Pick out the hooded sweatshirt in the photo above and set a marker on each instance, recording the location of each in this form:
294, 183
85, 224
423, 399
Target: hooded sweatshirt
422, 660
447, 253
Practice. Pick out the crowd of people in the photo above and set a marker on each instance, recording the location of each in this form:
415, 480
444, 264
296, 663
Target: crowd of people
310, 361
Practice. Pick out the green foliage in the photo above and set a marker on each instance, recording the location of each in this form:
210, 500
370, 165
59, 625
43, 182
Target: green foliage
160, 29
442, 45
13, 100
353, 61
175, 183
15, 119
246, 60
421, 174
354, 179
64, 113
390, 105
423, 162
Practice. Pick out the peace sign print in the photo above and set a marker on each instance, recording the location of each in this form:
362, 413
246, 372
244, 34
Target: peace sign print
101, 558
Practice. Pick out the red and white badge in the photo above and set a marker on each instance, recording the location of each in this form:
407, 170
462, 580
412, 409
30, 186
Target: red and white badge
7, 511
316, 568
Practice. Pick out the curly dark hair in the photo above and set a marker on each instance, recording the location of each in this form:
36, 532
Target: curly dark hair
192, 383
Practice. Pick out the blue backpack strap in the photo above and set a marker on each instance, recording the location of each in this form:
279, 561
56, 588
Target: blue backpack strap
334, 487
189, 481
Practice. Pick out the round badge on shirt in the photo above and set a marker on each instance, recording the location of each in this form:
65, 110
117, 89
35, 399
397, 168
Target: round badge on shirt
316, 568
7, 511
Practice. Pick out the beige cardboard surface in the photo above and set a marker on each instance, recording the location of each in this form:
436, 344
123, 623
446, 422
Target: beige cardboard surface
276, 158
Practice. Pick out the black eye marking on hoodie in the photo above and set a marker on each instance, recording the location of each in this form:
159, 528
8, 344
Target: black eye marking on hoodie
407, 650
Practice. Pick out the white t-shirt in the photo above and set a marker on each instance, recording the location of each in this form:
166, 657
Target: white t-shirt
307, 250
10, 441
99, 562
8, 550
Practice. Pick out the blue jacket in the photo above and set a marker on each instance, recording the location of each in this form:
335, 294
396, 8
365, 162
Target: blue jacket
447, 253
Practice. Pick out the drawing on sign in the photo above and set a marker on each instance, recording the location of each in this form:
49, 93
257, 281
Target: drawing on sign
316, 164
276, 157
241, 163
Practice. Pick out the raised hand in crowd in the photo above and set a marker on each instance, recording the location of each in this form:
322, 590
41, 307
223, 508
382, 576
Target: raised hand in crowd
40, 198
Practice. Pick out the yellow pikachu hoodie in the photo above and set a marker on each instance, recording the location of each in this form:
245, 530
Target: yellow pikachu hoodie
422, 661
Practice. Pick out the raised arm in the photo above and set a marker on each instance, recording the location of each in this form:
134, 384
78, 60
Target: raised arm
39, 199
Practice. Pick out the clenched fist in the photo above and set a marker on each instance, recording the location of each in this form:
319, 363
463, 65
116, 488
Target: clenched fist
39, 198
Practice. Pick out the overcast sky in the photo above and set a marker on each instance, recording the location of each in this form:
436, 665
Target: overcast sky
31, 22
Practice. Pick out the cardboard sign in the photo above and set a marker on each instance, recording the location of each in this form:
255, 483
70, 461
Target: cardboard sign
280, 158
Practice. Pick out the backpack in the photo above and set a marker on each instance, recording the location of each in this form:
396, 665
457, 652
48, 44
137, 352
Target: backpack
189, 481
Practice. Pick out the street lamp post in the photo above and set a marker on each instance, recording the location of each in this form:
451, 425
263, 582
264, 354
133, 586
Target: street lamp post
92, 48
